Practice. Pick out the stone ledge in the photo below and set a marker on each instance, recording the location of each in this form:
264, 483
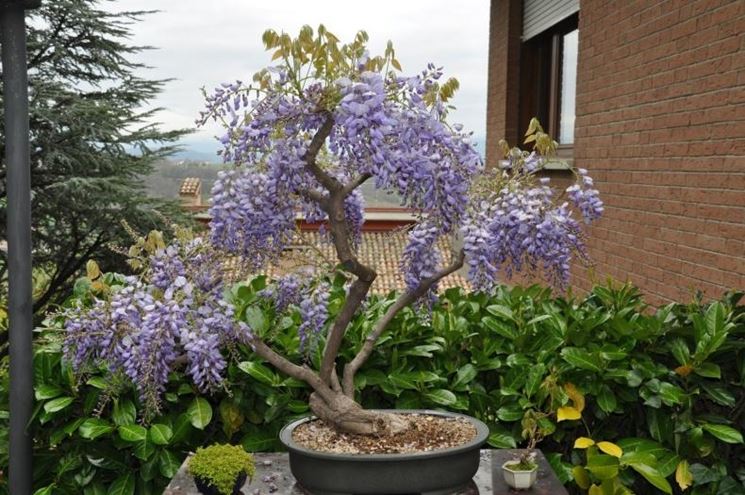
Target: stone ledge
273, 477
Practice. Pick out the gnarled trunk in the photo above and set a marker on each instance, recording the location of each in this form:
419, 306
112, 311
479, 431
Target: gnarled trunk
345, 415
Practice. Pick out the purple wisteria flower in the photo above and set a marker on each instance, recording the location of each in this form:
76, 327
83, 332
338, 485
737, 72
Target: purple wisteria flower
174, 311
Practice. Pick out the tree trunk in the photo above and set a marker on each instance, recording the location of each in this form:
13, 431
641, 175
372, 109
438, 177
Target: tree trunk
345, 415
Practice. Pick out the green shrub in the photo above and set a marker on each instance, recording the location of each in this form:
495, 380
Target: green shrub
221, 465
665, 386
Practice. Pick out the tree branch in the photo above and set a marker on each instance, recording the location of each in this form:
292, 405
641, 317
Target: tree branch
404, 300
327, 181
355, 183
302, 373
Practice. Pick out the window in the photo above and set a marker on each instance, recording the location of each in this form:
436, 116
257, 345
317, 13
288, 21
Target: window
548, 82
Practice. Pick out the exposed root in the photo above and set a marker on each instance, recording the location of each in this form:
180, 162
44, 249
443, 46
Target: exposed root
347, 416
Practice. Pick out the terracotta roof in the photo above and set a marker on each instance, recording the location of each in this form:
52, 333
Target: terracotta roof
378, 250
190, 186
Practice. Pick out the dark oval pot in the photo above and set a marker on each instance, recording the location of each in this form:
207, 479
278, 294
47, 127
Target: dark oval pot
207, 489
435, 472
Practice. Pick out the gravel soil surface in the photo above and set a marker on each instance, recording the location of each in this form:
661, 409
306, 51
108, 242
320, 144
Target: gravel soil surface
426, 433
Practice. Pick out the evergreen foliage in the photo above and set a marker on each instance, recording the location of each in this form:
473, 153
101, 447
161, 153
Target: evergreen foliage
93, 142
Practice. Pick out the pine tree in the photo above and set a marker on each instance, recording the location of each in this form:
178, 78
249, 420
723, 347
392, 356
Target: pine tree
93, 142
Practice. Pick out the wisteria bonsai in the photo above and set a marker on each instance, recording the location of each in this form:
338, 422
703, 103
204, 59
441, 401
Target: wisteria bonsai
304, 136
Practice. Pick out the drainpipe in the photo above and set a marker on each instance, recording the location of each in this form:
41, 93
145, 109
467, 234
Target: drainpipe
18, 187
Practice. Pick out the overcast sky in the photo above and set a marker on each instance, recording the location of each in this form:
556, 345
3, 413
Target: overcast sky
202, 43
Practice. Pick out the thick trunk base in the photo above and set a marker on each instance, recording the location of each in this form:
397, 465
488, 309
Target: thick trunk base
349, 417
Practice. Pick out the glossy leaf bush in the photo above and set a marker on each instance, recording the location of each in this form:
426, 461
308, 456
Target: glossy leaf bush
658, 395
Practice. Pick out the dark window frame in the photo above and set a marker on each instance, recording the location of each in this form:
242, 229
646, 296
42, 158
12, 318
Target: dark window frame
540, 80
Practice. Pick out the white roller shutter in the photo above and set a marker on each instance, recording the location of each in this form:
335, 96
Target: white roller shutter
539, 15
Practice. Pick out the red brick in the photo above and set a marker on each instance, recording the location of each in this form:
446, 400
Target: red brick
660, 113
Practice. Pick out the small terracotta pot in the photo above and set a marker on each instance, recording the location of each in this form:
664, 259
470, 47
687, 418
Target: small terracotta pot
207, 488
519, 480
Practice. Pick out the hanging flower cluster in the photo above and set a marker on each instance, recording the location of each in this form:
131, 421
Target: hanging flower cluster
311, 298
376, 123
174, 312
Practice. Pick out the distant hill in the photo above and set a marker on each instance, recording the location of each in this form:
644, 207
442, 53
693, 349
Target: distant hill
166, 179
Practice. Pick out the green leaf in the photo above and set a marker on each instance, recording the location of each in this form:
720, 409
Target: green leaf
501, 440
259, 440
124, 485
510, 413
719, 394
402, 381
144, 450
501, 312
499, 327
160, 434
256, 319
132, 433
94, 427
98, 382
47, 490
124, 412
708, 370
181, 428
653, 476
442, 397
603, 466
57, 404
169, 463
606, 399
724, 433
464, 376
580, 358
535, 378
671, 394
259, 372
200, 413
43, 392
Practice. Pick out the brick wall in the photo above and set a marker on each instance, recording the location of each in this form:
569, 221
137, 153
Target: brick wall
505, 26
661, 127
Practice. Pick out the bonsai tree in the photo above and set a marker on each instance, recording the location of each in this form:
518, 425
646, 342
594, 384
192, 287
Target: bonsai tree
310, 130
305, 135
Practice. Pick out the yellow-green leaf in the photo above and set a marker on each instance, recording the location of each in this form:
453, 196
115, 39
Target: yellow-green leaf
567, 413
610, 449
576, 396
92, 270
683, 475
595, 490
581, 477
583, 443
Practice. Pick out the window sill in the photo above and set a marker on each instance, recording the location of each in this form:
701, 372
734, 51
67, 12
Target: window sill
559, 164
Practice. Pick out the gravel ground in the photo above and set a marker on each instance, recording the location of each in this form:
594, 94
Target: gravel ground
426, 433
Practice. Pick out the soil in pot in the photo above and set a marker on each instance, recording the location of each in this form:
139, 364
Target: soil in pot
207, 488
427, 433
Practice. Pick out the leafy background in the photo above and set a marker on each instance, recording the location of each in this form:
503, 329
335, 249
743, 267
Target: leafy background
621, 397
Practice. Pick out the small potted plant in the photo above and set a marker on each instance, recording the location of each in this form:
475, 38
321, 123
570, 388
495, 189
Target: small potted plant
221, 469
521, 472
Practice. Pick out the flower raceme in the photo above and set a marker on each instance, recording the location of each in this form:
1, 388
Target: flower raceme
391, 128
304, 135
175, 310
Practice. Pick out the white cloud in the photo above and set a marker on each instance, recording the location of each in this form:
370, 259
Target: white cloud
202, 43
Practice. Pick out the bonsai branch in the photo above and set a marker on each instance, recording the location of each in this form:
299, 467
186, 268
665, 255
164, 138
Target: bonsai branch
302, 373
404, 300
326, 180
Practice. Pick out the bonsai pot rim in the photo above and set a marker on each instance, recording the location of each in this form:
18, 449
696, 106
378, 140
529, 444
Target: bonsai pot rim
482, 433
504, 466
